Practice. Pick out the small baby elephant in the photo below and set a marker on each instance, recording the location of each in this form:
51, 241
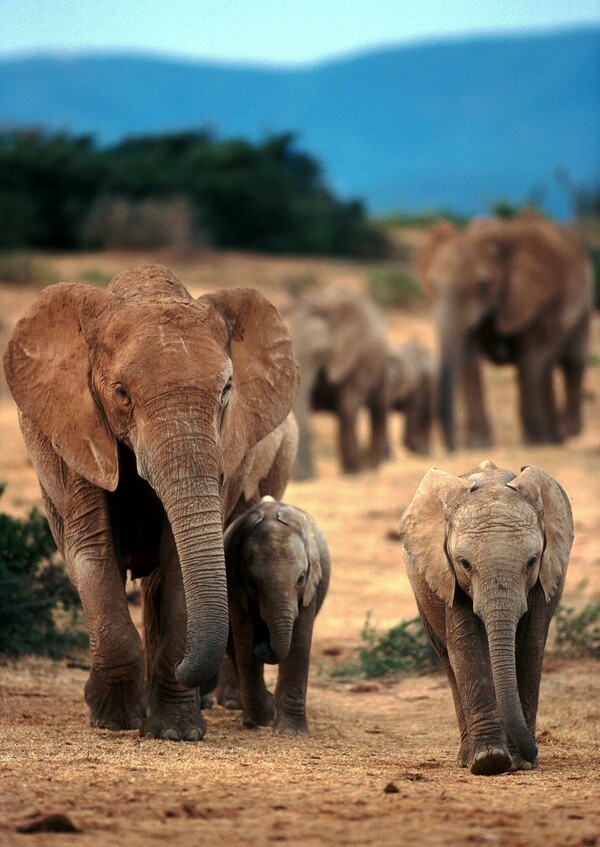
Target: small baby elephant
278, 568
486, 554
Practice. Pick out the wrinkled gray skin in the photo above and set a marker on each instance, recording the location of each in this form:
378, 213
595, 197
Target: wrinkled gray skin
278, 569
486, 555
340, 342
514, 292
410, 386
150, 419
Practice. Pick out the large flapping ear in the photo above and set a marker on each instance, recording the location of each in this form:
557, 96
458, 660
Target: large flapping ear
319, 561
234, 539
356, 332
423, 530
540, 489
533, 275
265, 373
437, 236
48, 371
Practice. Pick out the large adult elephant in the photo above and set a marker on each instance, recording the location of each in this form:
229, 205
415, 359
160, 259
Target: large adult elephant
339, 340
515, 291
149, 418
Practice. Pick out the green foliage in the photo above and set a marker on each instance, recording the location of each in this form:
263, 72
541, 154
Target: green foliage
22, 269
577, 633
95, 276
392, 287
405, 647
58, 191
34, 591
506, 210
423, 220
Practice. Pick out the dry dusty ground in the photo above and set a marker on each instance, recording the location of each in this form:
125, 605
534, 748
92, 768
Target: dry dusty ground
250, 788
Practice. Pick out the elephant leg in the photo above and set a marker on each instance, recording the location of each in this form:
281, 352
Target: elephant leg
174, 710
469, 659
347, 412
304, 467
115, 691
536, 398
257, 701
573, 364
292, 679
379, 449
478, 432
417, 425
228, 689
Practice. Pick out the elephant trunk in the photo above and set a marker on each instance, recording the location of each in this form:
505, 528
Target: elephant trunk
501, 632
452, 344
280, 623
189, 491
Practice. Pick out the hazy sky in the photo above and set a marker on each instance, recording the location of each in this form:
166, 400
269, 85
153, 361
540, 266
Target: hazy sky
275, 31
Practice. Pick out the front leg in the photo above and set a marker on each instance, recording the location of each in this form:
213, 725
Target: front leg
478, 429
468, 655
114, 691
174, 710
257, 701
347, 413
292, 679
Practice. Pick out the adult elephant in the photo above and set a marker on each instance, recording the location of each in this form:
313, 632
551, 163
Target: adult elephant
149, 418
517, 291
339, 340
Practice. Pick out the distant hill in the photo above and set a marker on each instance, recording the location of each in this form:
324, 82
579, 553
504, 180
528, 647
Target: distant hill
453, 125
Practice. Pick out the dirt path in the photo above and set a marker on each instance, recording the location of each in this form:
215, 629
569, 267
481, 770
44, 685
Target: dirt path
251, 788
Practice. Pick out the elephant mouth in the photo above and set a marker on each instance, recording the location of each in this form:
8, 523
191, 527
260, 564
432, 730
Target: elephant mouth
264, 653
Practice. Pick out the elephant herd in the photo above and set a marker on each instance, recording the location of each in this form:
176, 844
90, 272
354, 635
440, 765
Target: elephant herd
161, 430
513, 291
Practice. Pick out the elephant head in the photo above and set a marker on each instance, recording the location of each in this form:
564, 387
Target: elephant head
278, 556
488, 283
492, 536
189, 386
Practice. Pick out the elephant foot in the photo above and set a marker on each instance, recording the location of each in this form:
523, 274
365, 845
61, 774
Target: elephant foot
259, 714
175, 724
290, 726
116, 705
462, 759
490, 760
478, 440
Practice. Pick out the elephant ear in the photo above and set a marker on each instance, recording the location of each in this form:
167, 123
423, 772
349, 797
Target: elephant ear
533, 276
265, 373
438, 235
356, 332
234, 539
318, 561
423, 531
543, 491
48, 372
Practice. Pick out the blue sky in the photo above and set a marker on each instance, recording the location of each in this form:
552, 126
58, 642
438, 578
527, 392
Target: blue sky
272, 31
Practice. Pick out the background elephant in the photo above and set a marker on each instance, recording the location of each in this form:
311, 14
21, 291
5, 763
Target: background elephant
516, 291
148, 417
278, 569
340, 342
410, 389
486, 555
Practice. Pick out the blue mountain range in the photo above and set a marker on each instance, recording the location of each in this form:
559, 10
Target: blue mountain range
455, 125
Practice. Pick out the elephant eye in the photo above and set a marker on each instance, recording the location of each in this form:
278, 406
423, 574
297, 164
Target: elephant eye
301, 580
532, 560
122, 395
226, 392
464, 563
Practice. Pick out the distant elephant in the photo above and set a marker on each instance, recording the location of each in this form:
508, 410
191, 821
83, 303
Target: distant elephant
149, 418
486, 554
410, 390
340, 342
278, 569
517, 292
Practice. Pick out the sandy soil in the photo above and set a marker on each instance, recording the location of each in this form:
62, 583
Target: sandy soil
378, 767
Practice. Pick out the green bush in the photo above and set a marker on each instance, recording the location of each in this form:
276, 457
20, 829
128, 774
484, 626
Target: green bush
405, 647
392, 287
34, 592
577, 633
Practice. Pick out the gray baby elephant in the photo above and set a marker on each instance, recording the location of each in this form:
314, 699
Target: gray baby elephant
278, 568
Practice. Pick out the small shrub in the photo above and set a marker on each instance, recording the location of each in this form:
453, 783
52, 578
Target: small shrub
23, 269
34, 591
405, 647
392, 287
577, 633
95, 276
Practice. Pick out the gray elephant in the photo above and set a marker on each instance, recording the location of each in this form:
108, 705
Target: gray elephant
516, 292
486, 554
410, 391
150, 417
278, 569
340, 342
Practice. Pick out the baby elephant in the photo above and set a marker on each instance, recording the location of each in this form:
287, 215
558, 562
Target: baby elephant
486, 554
278, 570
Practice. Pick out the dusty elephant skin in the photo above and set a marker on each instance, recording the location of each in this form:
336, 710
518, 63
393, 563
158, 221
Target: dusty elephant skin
278, 569
410, 387
486, 554
340, 342
515, 292
150, 417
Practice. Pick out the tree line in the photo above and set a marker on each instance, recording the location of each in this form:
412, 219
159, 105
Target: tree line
65, 192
